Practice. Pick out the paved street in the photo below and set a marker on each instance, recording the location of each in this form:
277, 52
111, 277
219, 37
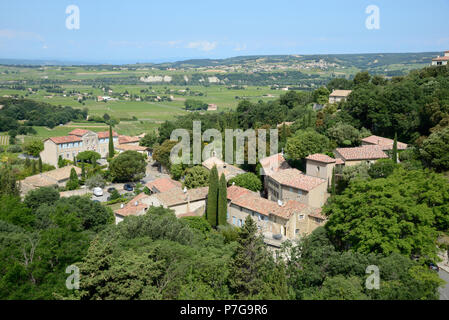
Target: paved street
444, 292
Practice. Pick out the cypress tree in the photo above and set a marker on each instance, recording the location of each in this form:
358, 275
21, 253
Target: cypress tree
333, 191
27, 162
222, 201
248, 263
212, 198
73, 182
83, 171
33, 167
40, 165
395, 148
111, 143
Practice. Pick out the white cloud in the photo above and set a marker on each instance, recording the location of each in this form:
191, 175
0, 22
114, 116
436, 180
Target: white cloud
240, 47
202, 45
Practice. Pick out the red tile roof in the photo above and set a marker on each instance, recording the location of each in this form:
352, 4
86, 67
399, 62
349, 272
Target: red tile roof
296, 179
78, 132
105, 134
65, 139
177, 197
321, 158
362, 153
163, 184
445, 58
131, 209
384, 143
126, 147
340, 93
234, 192
127, 139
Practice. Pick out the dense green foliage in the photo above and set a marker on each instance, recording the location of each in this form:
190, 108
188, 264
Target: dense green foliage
196, 177
128, 166
248, 181
212, 198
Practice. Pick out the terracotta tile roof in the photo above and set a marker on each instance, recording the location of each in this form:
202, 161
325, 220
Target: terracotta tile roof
105, 134
127, 139
321, 158
296, 179
65, 139
362, 153
384, 143
266, 207
38, 181
317, 213
445, 58
228, 170
127, 147
62, 173
178, 197
78, 132
339, 161
273, 164
234, 192
163, 185
340, 93
131, 209
287, 124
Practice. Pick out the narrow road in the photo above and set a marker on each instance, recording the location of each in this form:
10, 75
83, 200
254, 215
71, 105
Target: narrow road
444, 291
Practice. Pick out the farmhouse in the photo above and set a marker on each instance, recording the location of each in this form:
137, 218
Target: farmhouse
339, 95
76, 141
367, 153
441, 61
163, 185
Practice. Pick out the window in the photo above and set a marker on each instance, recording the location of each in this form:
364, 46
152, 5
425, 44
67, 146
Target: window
301, 217
240, 222
70, 145
68, 155
300, 192
234, 219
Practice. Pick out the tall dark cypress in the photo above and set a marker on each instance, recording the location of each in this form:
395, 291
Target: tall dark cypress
222, 201
395, 148
111, 143
40, 165
212, 198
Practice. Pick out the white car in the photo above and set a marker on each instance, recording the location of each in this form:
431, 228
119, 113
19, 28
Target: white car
98, 192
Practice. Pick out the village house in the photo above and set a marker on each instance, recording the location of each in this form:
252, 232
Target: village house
292, 184
228, 170
441, 61
339, 95
76, 141
270, 165
322, 166
364, 154
185, 202
276, 221
130, 147
212, 107
56, 178
383, 143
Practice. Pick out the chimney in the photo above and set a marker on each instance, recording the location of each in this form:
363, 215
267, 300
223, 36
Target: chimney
280, 203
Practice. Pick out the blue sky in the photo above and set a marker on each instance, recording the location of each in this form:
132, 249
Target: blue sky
144, 31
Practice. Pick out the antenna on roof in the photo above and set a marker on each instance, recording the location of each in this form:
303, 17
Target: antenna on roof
121, 206
136, 203
280, 203
184, 190
233, 183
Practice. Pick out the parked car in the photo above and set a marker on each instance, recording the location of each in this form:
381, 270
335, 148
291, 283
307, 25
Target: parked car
111, 189
128, 187
98, 192
434, 267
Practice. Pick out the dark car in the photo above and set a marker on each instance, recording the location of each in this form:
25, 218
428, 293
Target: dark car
111, 189
128, 187
434, 267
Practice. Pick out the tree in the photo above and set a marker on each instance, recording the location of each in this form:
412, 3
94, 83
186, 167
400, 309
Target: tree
305, 143
37, 197
248, 181
362, 78
401, 213
196, 177
395, 148
345, 135
83, 171
73, 182
321, 95
89, 156
111, 143
95, 181
149, 140
128, 166
222, 201
162, 153
8, 182
247, 265
435, 150
382, 168
33, 147
40, 164
212, 198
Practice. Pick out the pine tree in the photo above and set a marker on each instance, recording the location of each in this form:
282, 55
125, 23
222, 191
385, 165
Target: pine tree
40, 165
222, 201
395, 148
212, 198
111, 143
248, 263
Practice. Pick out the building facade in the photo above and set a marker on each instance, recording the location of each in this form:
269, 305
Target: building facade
441, 61
79, 140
